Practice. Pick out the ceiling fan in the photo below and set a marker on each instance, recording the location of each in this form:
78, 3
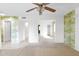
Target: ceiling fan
41, 7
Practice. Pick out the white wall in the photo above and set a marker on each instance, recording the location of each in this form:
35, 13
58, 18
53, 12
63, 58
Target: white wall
22, 29
33, 31
59, 29
77, 30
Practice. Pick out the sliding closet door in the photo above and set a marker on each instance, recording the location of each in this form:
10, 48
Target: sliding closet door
7, 31
0, 31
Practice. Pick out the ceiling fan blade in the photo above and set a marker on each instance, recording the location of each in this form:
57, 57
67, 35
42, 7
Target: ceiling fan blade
49, 9
31, 9
45, 3
37, 4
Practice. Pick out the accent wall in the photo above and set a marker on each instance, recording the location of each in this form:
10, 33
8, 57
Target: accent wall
69, 28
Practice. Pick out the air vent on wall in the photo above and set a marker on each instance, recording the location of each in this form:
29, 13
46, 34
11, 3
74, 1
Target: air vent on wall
23, 17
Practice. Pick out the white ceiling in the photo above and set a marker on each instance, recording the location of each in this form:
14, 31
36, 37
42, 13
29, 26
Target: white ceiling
18, 9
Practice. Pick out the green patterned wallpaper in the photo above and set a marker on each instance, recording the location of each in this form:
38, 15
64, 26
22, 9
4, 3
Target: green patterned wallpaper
7, 17
69, 29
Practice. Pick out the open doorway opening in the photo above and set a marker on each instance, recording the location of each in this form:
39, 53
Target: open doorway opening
47, 30
38, 29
